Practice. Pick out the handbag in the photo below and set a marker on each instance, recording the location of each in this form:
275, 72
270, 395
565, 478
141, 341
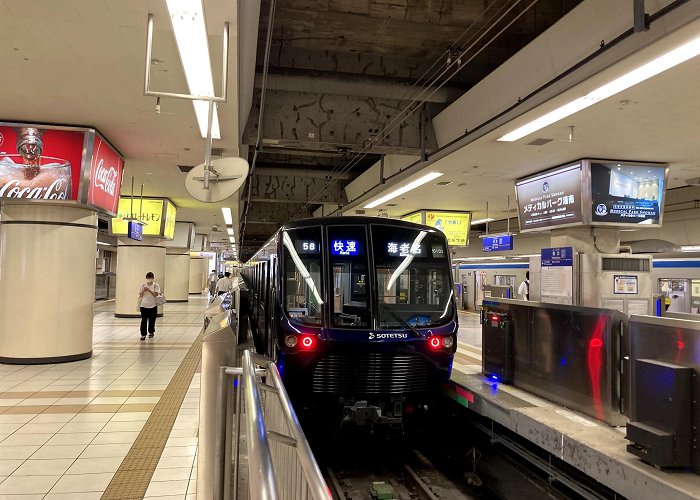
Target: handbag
160, 300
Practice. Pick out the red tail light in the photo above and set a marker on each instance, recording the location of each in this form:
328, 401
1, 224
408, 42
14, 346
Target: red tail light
308, 342
434, 342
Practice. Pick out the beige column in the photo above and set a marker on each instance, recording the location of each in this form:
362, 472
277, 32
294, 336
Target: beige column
177, 269
47, 283
196, 270
134, 260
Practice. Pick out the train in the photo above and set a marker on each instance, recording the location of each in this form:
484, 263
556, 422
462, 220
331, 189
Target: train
359, 314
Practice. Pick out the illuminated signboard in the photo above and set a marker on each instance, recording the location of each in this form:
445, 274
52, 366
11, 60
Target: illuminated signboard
552, 198
404, 249
497, 243
59, 164
135, 230
455, 225
152, 212
170, 215
346, 247
415, 217
624, 193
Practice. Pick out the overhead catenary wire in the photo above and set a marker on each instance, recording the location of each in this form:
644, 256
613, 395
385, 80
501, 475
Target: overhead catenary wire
421, 98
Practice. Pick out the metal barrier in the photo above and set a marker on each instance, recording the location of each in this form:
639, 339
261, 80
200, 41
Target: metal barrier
281, 464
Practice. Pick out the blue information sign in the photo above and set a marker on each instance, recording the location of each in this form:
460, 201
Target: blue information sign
345, 247
135, 230
553, 257
497, 243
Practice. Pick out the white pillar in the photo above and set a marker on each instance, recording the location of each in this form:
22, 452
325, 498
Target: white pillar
177, 269
196, 266
134, 260
47, 283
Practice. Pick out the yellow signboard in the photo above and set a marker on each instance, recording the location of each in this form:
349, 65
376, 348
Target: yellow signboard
170, 214
150, 213
416, 217
455, 225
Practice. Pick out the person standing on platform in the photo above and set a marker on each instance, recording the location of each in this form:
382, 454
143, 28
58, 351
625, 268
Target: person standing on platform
224, 285
147, 304
213, 278
524, 288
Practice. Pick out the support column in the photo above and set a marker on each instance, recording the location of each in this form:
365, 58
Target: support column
196, 266
134, 260
177, 269
47, 283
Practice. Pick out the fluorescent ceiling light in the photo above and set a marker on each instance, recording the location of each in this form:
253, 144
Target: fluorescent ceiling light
228, 217
398, 192
481, 221
105, 244
690, 248
230, 231
187, 17
659, 65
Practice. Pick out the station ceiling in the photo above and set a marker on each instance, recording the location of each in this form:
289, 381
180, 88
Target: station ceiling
337, 71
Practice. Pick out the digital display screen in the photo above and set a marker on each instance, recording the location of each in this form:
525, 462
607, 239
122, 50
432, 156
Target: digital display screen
346, 247
627, 194
550, 199
404, 249
307, 247
497, 243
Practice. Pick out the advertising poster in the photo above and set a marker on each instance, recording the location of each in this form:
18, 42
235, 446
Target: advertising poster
455, 225
550, 199
40, 163
625, 285
627, 194
150, 213
170, 216
415, 217
106, 169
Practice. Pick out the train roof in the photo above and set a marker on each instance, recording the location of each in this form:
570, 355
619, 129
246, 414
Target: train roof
350, 219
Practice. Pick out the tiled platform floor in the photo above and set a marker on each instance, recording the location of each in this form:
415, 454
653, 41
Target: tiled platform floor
65, 428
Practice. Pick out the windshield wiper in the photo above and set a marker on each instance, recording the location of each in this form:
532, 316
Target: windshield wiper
398, 318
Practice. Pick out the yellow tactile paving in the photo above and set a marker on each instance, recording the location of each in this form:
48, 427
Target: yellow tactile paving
134, 474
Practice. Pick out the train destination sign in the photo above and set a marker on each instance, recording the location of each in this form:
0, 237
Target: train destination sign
497, 243
552, 198
345, 247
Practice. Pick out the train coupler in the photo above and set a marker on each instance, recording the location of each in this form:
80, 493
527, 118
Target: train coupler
362, 414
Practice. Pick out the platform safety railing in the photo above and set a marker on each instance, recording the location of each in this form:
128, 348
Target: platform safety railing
281, 464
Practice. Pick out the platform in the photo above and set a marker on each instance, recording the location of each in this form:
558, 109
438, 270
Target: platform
594, 448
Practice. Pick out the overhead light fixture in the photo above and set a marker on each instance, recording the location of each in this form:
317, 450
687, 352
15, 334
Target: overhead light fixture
482, 221
690, 248
408, 187
230, 231
659, 65
104, 244
228, 217
187, 17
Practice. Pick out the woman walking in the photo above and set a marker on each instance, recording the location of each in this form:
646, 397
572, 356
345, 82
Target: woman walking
147, 303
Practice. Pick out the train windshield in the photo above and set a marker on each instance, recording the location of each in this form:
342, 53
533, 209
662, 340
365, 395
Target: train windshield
413, 277
302, 279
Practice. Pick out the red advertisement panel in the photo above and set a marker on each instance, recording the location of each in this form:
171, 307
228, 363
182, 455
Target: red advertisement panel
106, 167
40, 163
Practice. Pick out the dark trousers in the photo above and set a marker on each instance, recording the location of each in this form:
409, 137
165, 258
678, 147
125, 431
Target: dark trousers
148, 315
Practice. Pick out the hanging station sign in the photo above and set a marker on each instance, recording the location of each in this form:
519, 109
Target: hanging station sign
454, 224
157, 216
59, 164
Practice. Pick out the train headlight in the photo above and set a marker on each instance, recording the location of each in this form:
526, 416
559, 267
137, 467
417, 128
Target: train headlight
434, 342
290, 341
447, 342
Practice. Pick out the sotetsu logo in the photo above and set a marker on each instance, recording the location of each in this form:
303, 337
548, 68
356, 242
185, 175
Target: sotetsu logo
106, 178
55, 191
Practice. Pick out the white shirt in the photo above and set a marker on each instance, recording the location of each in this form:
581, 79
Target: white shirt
148, 300
524, 290
212, 278
224, 285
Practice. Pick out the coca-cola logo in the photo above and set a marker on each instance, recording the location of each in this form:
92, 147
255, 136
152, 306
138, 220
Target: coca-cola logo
106, 178
57, 190
2, 138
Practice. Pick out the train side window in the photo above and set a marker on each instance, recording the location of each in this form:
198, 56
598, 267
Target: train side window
349, 276
302, 276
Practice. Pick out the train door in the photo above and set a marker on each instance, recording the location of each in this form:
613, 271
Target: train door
479, 282
270, 322
677, 294
262, 310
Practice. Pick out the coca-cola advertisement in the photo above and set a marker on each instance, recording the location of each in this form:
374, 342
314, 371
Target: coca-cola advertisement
39, 163
59, 164
106, 170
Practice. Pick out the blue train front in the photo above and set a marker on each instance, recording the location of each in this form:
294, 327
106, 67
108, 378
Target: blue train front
358, 311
